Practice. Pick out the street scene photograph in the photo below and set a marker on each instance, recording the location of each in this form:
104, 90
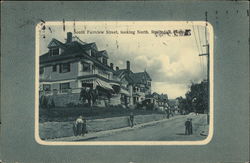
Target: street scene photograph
123, 81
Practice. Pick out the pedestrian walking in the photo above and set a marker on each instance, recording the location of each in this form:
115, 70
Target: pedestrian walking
79, 126
168, 113
165, 113
187, 127
84, 127
190, 126
131, 119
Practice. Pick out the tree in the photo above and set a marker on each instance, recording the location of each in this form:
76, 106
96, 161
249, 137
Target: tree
182, 105
197, 97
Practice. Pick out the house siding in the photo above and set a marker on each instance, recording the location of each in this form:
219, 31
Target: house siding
50, 75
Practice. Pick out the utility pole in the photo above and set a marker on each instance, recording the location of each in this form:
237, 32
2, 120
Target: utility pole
208, 63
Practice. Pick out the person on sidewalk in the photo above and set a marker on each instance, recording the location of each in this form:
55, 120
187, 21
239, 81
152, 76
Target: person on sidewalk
84, 127
190, 126
187, 127
168, 113
131, 119
79, 126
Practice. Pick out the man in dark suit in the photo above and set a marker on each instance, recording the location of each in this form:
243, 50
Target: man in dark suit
187, 127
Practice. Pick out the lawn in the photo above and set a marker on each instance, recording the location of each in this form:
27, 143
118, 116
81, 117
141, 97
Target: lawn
65, 114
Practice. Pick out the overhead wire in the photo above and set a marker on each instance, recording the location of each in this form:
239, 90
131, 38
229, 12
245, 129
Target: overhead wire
199, 38
196, 40
199, 50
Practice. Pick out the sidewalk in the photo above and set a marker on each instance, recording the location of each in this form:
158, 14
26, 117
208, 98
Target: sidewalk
94, 135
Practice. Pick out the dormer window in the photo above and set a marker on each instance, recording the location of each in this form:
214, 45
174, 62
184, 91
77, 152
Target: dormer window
105, 61
88, 52
92, 53
54, 51
100, 59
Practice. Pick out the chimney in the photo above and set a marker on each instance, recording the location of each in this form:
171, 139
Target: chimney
117, 68
112, 65
69, 37
128, 65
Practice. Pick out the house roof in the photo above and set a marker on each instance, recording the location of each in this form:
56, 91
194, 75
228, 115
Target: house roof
102, 53
121, 72
140, 77
70, 50
54, 42
89, 46
143, 75
124, 73
160, 97
74, 49
133, 78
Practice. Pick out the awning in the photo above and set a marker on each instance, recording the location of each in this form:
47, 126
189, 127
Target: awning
116, 84
125, 92
103, 84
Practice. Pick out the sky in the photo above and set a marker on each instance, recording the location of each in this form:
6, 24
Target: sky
173, 62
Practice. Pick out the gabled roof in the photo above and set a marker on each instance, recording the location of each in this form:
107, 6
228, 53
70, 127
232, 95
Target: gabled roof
143, 75
133, 78
73, 50
55, 43
121, 72
140, 77
90, 46
102, 53
70, 50
124, 73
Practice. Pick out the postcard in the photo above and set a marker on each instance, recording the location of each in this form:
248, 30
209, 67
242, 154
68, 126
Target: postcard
124, 83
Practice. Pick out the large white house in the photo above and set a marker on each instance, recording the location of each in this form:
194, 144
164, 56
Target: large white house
68, 67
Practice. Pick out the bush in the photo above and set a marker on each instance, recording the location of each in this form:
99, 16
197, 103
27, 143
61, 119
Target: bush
150, 106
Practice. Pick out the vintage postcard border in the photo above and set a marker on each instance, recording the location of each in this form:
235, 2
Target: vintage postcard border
137, 143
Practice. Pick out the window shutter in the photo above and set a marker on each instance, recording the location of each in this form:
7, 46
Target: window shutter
69, 67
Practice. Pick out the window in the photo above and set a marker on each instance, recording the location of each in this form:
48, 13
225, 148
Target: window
87, 84
54, 51
85, 66
41, 70
54, 68
64, 87
88, 52
105, 61
100, 59
92, 53
142, 90
136, 89
64, 67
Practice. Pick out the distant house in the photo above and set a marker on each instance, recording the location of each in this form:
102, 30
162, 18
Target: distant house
68, 67
159, 101
138, 84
